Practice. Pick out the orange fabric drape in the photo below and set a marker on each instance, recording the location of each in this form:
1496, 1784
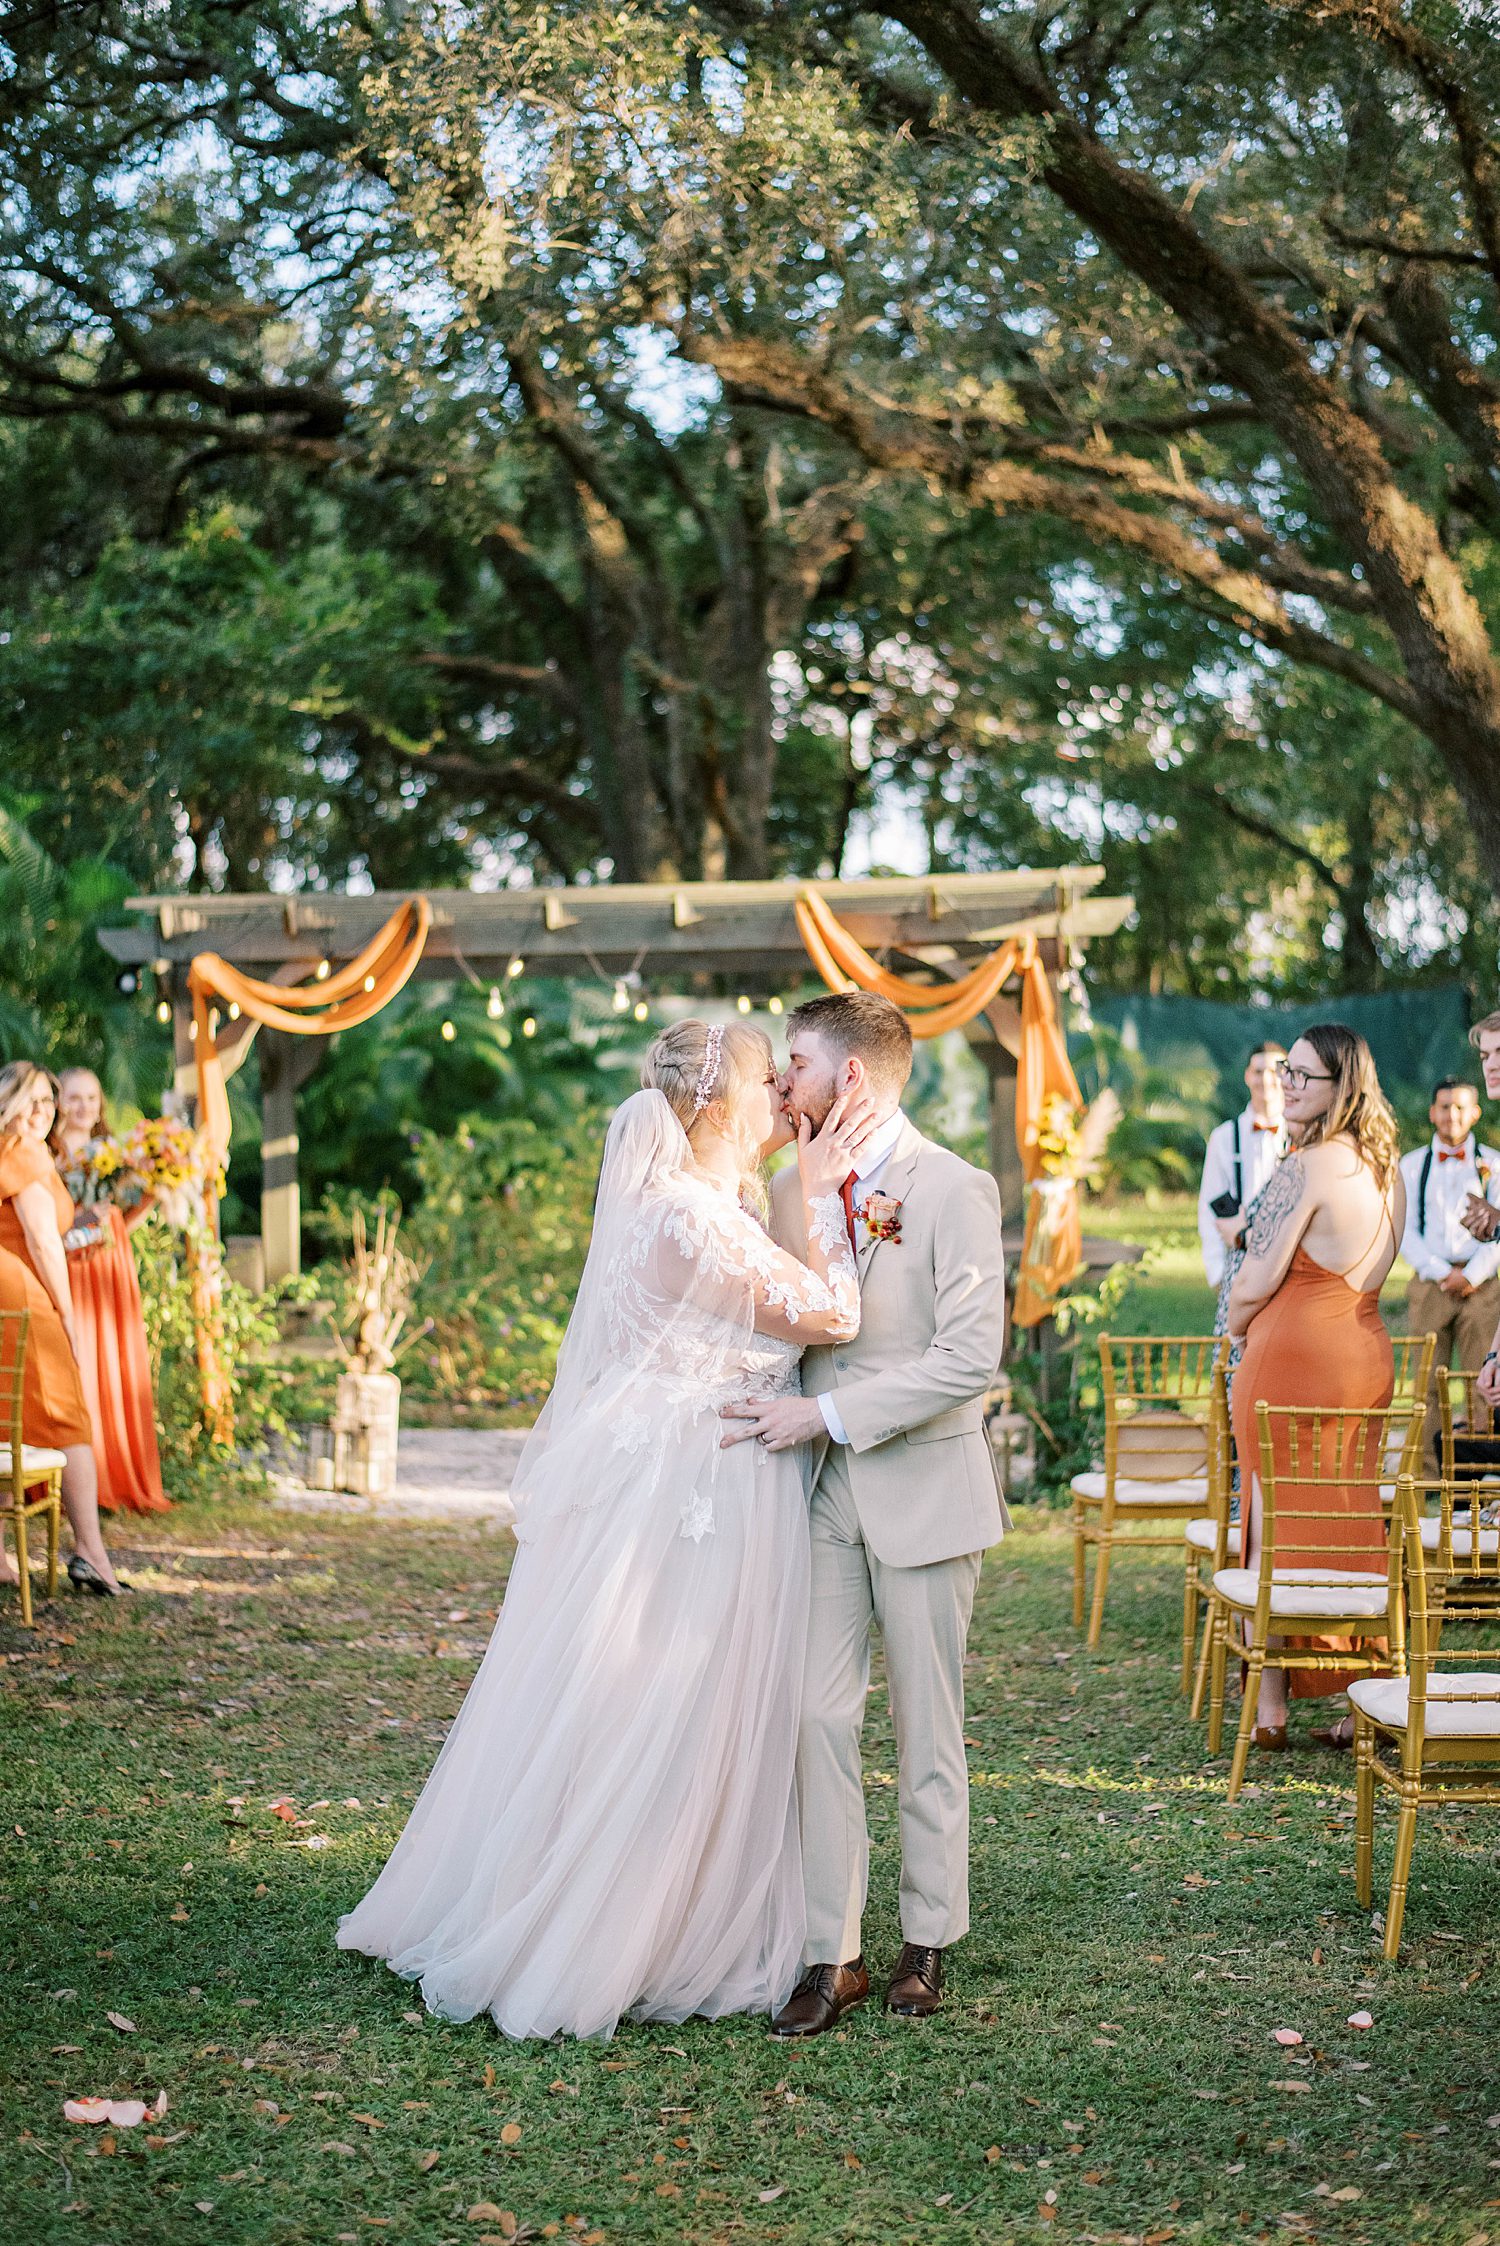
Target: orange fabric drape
1054, 1232
348, 996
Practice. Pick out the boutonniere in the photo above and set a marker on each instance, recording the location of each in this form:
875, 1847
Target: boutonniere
1485, 1175
881, 1216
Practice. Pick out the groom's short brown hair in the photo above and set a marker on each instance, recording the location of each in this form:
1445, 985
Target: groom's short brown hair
857, 1024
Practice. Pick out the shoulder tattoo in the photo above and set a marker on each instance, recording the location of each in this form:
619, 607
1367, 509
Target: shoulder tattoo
1274, 1204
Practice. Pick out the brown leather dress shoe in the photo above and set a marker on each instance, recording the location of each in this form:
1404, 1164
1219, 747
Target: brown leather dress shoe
916, 1989
821, 1998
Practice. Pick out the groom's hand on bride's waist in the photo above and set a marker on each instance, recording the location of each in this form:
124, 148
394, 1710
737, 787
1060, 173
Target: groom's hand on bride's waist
777, 1423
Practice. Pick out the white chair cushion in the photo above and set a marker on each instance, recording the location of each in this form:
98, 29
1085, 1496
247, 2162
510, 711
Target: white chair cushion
1384, 1700
1202, 1535
1313, 1594
1191, 1490
1463, 1540
33, 1460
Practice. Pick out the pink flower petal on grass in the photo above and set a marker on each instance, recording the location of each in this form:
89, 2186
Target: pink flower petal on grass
160, 2106
86, 2109
1361, 2019
1286, 2036
127, 2113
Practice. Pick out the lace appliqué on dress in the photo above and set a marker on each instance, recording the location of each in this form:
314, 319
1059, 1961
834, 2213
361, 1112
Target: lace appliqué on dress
632, 1431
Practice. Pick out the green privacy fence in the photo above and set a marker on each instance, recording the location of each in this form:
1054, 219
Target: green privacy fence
1416, 1036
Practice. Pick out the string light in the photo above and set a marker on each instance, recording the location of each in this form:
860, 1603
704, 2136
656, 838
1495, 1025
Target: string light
494, 1005
774, 1006
369, 982
163, 1012
743, 1003
193, 1032
448, 1033
323, 971
516, 967
528, 1027
640, 1009
234, 1010
504, 1036
621, 1000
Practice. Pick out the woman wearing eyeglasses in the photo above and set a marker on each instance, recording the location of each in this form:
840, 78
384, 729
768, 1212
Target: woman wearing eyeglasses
1326, 1231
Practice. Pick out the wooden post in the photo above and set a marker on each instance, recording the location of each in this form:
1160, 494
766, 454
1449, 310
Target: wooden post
1004, 1155
280, 1194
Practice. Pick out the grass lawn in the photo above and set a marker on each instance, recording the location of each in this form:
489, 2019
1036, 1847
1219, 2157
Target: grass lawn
1105, 2069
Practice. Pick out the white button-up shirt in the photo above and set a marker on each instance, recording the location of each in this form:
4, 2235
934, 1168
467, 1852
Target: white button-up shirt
1434, 1247
1259, 1151
867, 1174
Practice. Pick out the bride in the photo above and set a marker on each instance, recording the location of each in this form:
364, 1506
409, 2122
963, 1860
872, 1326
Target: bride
611, 1825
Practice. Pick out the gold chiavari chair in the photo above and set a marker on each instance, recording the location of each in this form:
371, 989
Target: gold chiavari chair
1205, 1540
1320, 1480
1412, 1355
1433, 1734
1157, 1391
1470, 1452
30, 1478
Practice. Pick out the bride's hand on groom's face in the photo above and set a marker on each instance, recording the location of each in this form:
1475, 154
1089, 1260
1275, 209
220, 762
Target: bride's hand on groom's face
826, 1157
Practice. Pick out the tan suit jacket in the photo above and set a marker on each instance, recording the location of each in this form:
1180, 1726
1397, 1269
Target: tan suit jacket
910, 1389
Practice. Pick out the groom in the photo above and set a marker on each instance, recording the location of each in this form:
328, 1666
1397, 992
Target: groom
905, 1499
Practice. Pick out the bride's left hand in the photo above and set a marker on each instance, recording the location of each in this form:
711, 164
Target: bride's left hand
826, 1159
778, 1422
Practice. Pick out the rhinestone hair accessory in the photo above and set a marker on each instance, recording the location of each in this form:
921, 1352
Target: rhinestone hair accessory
712, 1054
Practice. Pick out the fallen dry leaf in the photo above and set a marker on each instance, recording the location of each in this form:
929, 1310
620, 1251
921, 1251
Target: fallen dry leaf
483, 2211
993, 2154
118, 2020
772, 2191
511, 2133
1291, 2086
428, 2162
285, 1811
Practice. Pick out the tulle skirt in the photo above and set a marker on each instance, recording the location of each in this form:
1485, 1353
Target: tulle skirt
610, 1828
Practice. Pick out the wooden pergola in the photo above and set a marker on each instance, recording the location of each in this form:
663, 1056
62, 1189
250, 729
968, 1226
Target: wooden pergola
740, 933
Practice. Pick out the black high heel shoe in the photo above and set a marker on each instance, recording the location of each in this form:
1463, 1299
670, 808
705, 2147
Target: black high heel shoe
85, 1577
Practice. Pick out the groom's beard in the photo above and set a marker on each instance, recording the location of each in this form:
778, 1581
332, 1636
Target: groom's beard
814, 1105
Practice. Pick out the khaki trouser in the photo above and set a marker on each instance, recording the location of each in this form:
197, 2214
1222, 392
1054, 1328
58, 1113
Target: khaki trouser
1465, 1328
923, 1615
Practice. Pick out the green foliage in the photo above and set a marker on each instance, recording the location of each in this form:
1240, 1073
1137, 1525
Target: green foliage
1055, 1377
193, 1466
1167, 1109
500, 1232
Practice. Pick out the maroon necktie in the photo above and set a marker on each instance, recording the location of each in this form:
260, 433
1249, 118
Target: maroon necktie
846, 1195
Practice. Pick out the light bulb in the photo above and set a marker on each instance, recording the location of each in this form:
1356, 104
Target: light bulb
528, 1027
163, 1012
369, 982
640, 1009
773, 1005
516, 967
193, 1032
743, 1003
621, 1001
234, 1010
504, 1036
323, 971
448, 1033
494, 1005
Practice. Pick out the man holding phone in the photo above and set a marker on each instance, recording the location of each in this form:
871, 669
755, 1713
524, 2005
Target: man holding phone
1241, 1156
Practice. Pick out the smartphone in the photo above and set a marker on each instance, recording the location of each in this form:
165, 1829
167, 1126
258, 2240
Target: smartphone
1224, 1205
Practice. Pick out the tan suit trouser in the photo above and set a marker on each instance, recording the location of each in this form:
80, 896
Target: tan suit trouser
923, 1615
1464, 1329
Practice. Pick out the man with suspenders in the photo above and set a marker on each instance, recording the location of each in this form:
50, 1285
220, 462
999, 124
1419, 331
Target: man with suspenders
1241, 1156
1455, 1292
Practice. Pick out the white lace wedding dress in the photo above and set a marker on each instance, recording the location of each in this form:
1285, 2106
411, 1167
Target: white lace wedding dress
610, 1827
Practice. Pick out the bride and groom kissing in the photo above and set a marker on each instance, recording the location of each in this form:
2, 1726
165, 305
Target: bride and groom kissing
766, 1431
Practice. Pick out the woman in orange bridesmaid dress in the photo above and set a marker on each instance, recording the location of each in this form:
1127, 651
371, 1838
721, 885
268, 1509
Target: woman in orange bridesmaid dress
108, 1321
36, 1212
1326, 1230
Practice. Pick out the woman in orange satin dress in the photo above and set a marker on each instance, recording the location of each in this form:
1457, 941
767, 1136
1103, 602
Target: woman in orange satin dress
36, 1211
108, 1321
1327, 1227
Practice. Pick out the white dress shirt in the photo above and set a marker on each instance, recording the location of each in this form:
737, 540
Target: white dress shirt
1259, 1151
1434, 1248
867, 1172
